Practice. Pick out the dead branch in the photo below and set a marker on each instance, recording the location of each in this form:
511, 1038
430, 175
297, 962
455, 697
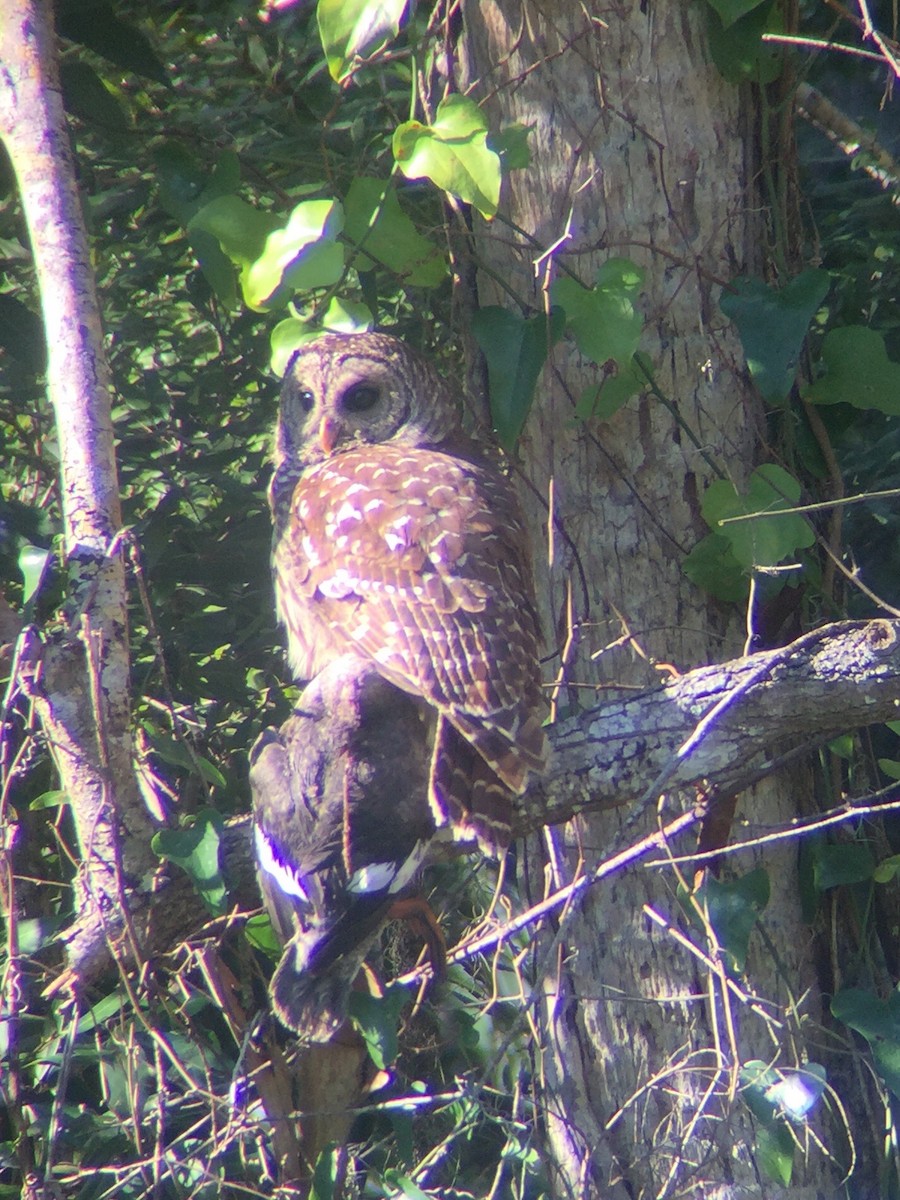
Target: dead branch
718, 728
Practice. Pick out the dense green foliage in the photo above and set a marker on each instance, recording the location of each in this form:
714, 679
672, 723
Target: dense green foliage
239, 198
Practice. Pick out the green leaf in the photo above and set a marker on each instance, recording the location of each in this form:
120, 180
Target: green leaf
287, 336
711, 565
97, 26
260, 933
375, 221
879, 1023
22, 333
216, 266
763, 541
770, 1093
732, 10
733, 908
515, 349
889, 767
376, 1018
240, 229
173, 751
98, 1014
196, 850
87, 96
32, 563
511, 143
620, 384
452, 153
858, 371
355, 29
341, 316
329, 1172
738, 50
301, 256
275, 258
775, 1151
773, 324
405, 1186
52, 799
887, 869
602, 319
185, 185
862, 1010
848, 863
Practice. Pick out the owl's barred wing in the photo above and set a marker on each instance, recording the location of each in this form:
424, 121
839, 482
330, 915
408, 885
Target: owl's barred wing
418, 561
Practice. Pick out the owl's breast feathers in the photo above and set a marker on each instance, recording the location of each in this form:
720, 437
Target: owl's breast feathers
417, 560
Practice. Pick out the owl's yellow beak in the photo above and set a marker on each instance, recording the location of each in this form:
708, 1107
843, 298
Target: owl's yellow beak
329, 432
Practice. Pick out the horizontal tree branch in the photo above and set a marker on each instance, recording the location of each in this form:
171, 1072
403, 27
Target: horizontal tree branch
720, 728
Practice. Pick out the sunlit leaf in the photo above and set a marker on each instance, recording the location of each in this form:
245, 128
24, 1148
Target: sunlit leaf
32, 563
341, 316
452, 153
355, 29
301, 256
404, 1186
387, 237
240, 228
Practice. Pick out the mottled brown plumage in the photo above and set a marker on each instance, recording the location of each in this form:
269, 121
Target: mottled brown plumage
398, 538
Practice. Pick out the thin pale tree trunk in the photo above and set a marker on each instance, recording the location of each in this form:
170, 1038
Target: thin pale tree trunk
78, 676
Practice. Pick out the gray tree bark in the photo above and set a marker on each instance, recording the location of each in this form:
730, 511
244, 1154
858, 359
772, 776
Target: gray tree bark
640, 149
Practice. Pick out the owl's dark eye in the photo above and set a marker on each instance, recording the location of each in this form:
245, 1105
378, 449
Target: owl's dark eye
360, 398
306, 400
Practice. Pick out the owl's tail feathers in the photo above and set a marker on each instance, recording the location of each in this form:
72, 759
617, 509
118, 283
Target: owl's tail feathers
477, 769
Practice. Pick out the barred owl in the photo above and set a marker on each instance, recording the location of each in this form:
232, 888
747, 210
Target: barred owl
398, 539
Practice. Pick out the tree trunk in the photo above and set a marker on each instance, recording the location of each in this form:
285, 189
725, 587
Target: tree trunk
79, 678
639, 150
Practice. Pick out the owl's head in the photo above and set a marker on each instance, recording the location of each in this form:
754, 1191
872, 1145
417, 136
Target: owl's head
343, 390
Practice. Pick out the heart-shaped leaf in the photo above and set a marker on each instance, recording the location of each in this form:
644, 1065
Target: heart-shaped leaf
859, 371
355, 29
515, 349
602, 319
772, 325
452, 153
762, 540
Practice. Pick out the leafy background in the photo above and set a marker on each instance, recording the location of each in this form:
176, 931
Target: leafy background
238, 197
